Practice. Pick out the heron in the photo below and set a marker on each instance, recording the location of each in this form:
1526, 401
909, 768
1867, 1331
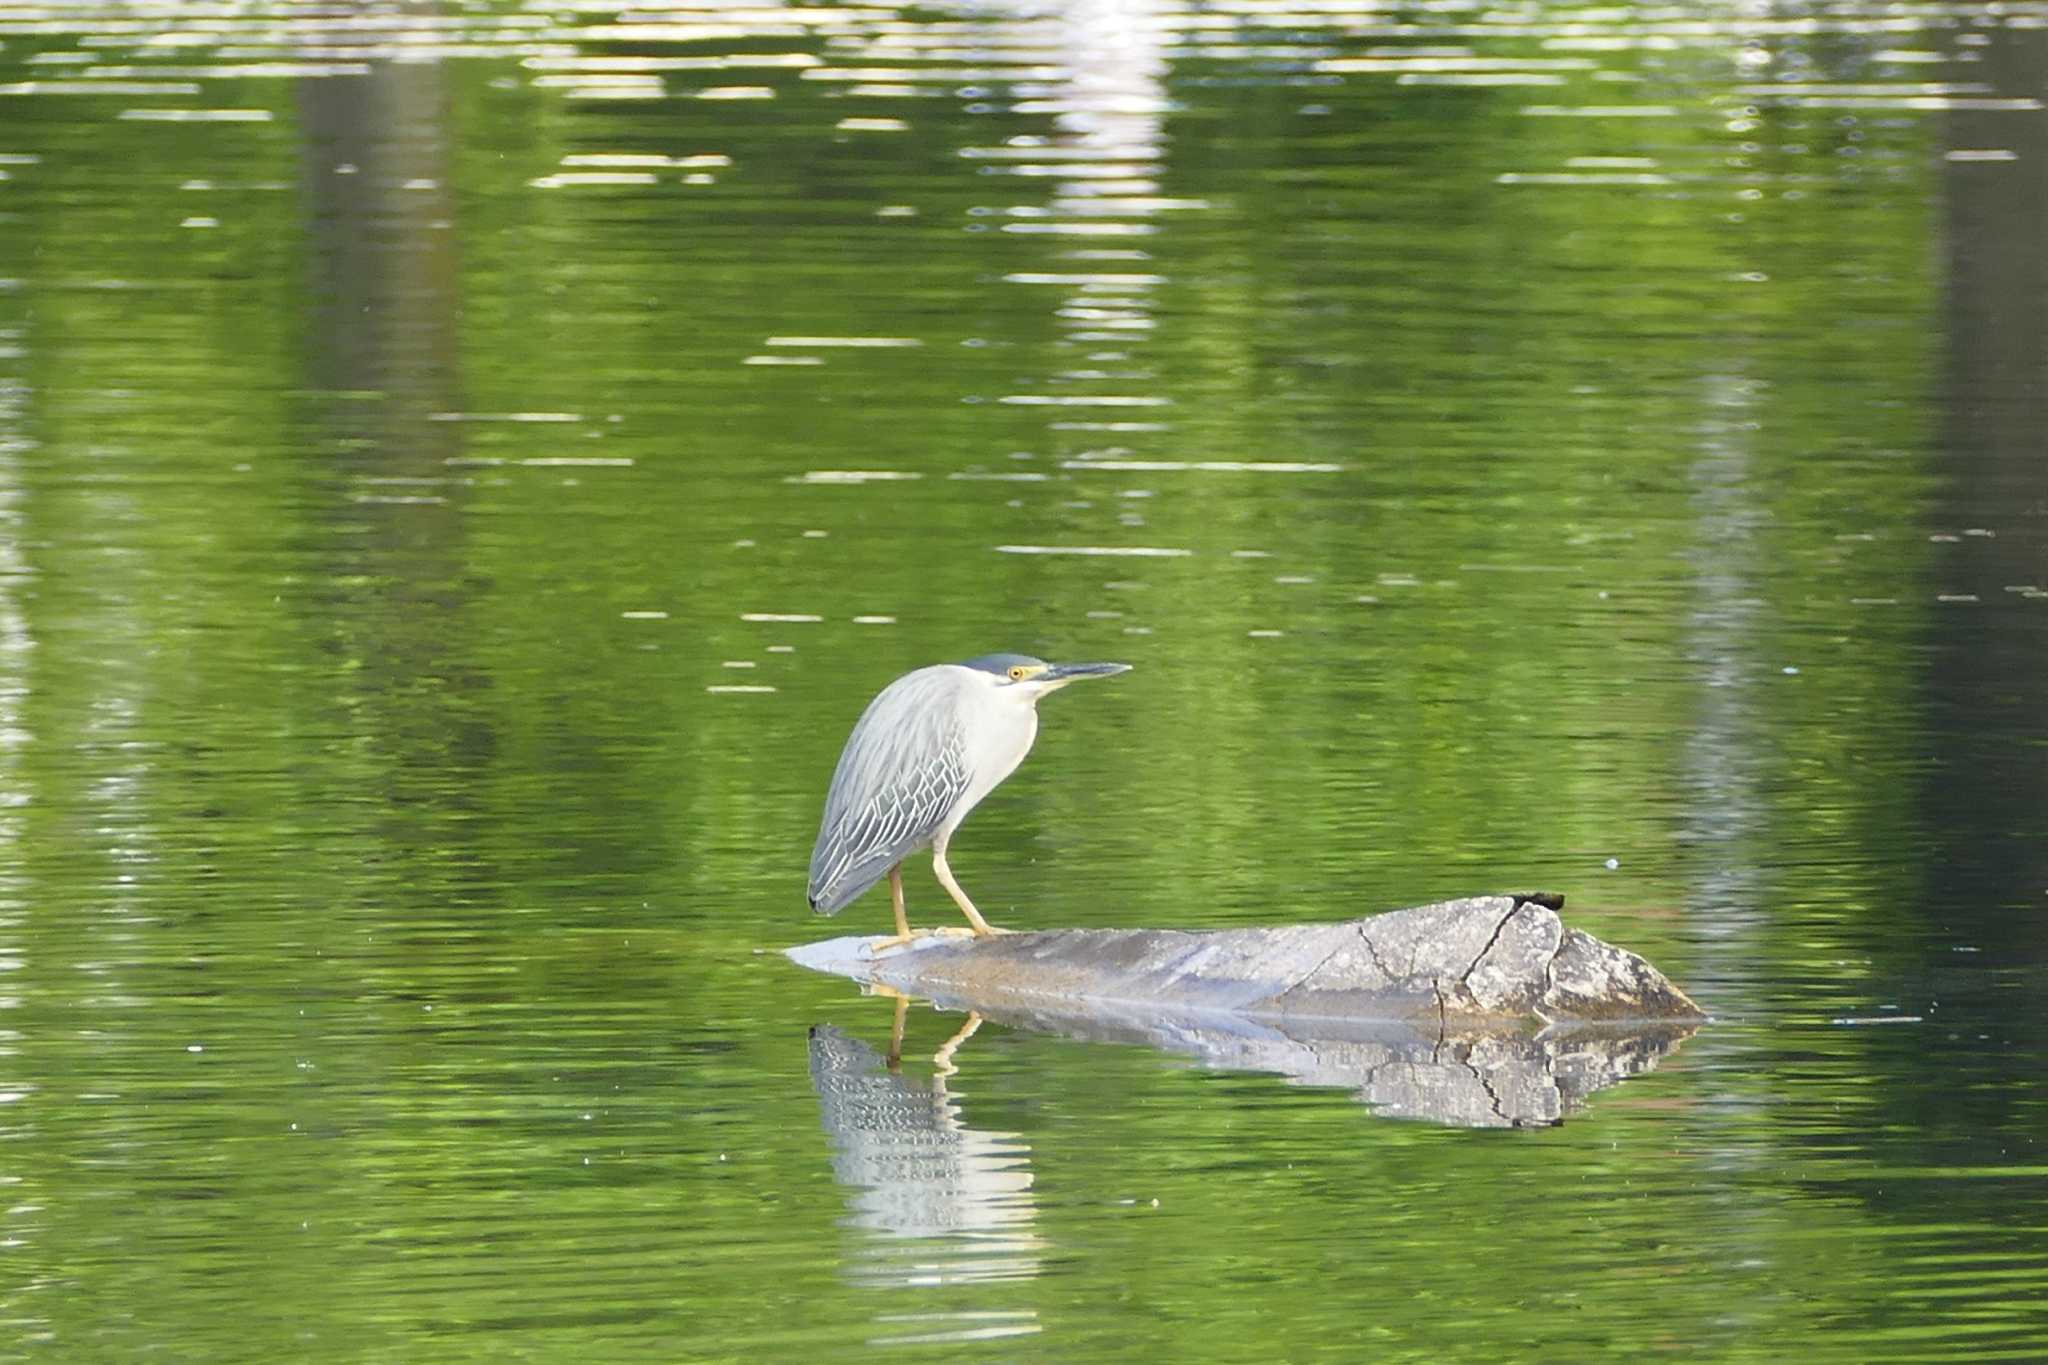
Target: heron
928, 748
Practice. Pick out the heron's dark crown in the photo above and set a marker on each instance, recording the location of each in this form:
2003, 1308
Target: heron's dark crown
1001, 664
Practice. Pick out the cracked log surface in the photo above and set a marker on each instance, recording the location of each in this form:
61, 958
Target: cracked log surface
1483, 965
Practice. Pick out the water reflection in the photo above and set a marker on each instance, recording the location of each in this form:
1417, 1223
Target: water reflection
935, 1202
1987, 674
1502, 1081
1469, 1080
1727, 749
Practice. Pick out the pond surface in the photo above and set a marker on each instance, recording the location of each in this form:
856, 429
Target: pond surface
462, 472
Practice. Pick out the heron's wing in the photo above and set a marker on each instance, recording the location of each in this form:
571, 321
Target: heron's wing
903, 769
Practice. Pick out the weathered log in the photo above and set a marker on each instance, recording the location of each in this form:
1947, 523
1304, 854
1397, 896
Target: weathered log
1480, 965
1477, 1012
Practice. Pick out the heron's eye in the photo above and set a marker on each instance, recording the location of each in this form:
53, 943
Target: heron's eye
1017, 672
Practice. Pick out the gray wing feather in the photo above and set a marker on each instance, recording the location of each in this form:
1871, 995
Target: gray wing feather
903, 769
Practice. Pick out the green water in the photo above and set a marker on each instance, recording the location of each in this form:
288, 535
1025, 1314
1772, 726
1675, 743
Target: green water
462, 471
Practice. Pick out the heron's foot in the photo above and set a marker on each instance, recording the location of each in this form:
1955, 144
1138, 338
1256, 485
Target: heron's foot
989, 931
878, 946
942, 1060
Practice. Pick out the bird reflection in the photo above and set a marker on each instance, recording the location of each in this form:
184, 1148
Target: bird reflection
935, 1203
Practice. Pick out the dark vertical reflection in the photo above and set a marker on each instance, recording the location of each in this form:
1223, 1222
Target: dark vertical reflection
1984, 686
1987, 680
384, 370
386, 300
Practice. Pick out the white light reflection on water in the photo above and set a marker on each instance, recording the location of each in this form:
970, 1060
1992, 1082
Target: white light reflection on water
1208, 466
854, 476
1101, 551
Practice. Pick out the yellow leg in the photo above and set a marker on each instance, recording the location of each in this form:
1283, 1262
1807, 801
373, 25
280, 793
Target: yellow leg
982, 928
903, 934
894, 1060
942, 1060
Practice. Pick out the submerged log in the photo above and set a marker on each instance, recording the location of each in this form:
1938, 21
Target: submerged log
1483, 965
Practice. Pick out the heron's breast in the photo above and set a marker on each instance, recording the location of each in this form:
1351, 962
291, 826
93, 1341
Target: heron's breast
998, 738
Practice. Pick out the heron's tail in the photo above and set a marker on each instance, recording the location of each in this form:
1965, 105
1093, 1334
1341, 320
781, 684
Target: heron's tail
836, 888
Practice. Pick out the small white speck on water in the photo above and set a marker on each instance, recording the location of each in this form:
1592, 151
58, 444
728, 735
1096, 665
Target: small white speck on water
643, 616
854, 476
1789, 671
856, 343
1613, 863
194, 1047
1135, 551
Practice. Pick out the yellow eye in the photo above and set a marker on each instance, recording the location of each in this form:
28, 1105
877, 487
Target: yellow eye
1018, 672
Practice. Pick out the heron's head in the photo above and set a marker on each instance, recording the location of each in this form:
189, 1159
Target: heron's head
1027, 679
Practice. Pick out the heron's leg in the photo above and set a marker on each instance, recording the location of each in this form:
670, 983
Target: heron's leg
982, 928
903, 934
894, 1059
896, 901
942, 1060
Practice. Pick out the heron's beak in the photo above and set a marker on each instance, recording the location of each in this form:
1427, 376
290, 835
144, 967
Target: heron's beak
1059, 675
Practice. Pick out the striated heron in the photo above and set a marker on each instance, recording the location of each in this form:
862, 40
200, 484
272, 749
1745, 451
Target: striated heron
924, 753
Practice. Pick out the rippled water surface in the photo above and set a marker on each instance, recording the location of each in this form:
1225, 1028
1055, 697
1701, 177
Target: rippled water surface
463, 469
